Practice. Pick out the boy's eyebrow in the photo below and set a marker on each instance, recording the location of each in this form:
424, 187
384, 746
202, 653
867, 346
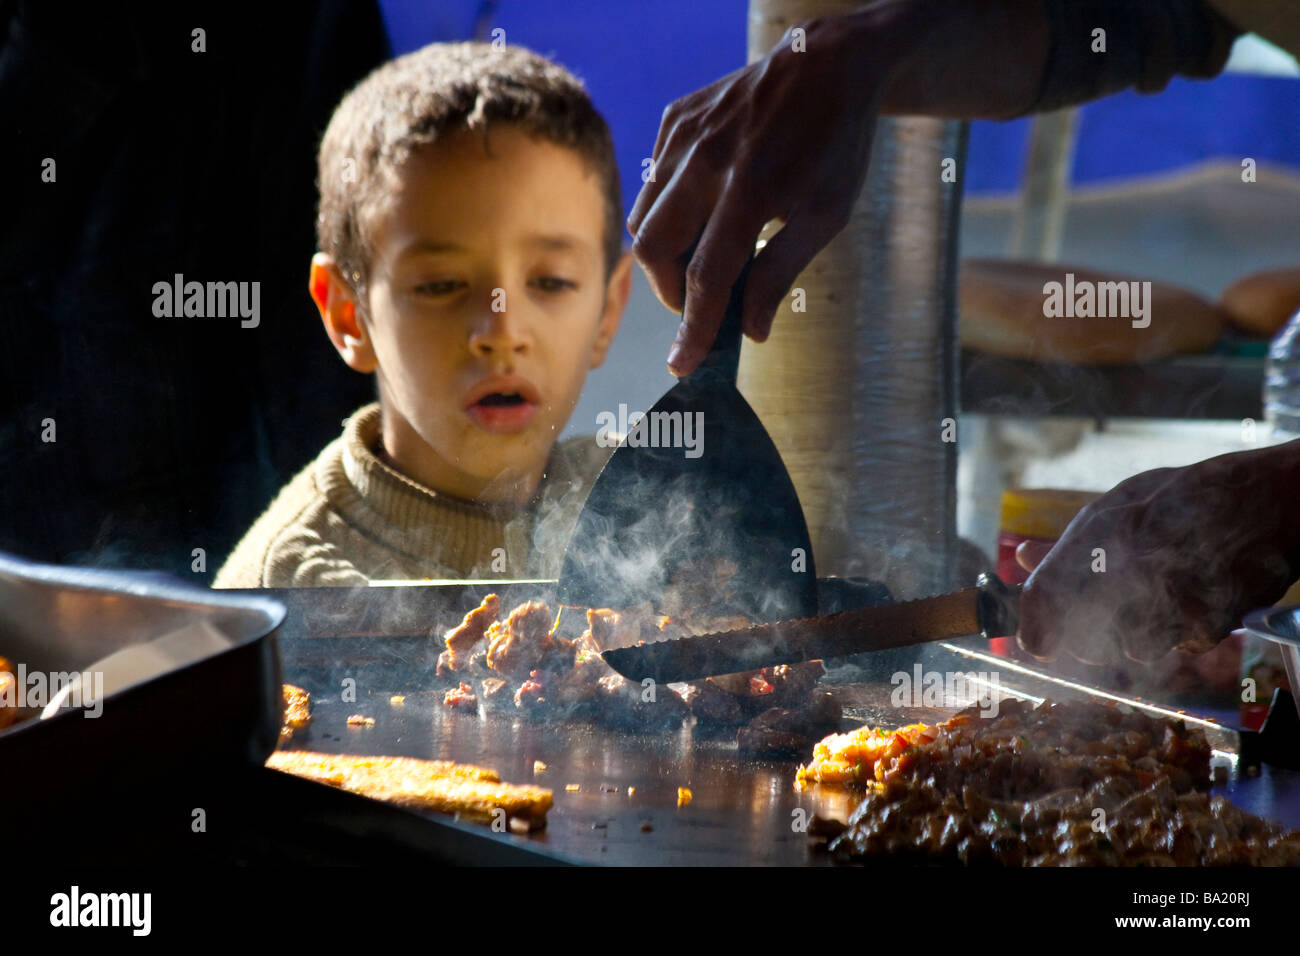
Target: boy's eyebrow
559, 241
430, 245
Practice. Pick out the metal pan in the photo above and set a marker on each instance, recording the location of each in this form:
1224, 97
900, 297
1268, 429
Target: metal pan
1282, 626
212, 714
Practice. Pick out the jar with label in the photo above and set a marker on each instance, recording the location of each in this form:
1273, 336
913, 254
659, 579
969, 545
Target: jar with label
1032, 514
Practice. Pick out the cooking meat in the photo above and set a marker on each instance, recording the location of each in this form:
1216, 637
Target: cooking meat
518, 644
608, 629
784, 731
1154, 827
791, 683
734, 699
531, 693
1061, 784
462, 639
632, 706
548, 675
461, 698
712, 705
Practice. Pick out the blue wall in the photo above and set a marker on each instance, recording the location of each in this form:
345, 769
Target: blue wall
636, 56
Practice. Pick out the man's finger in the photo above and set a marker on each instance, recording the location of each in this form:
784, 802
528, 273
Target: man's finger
1037, 635
673, 149
775, 269
652, 187
669, 231
1030, 554
723, 251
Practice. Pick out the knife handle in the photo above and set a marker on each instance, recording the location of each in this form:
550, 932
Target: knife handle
724, 357
997, 607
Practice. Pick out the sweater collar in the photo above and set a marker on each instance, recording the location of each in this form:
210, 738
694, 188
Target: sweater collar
448, 535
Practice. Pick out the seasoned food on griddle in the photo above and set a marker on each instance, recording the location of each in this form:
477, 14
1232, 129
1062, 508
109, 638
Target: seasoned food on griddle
518, 644
297, 712
711, 704
462, 697
789, 731
471, 792
531, 693
521, 661
463, 639
1061, 784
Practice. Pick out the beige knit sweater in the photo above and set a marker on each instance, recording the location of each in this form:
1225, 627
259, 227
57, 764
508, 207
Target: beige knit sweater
348, 518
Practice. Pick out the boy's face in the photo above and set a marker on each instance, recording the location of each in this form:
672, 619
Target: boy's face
487, 305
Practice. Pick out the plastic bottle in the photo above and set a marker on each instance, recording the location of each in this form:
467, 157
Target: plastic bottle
1282, 382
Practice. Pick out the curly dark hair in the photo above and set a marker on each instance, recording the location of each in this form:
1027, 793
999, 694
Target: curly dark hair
438, 90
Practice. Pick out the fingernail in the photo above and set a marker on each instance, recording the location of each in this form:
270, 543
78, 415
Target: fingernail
677, 353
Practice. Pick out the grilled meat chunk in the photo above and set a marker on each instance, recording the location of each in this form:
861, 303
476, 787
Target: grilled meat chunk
461, 697
630, 706
531, 693
466, 636
518, 644
785, 732
712, 705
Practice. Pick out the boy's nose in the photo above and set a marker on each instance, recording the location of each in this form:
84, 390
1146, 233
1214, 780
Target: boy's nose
499, 333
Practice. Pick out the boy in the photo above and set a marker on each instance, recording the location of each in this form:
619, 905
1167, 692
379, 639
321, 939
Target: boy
470, 235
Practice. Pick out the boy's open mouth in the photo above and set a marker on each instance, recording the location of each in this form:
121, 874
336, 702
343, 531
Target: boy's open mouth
502, 399
503, 404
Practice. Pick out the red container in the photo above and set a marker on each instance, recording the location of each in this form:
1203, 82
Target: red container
1032, 514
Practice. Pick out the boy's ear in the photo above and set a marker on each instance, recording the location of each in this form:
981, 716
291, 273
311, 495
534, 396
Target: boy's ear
617, 291
338, 311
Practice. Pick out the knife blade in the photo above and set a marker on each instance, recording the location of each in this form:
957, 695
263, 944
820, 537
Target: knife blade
990, 608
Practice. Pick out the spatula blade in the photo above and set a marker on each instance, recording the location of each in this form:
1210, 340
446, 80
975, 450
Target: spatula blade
716, 527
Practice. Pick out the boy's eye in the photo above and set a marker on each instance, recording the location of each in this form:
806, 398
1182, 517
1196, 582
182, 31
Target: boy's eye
441, 287
554, 283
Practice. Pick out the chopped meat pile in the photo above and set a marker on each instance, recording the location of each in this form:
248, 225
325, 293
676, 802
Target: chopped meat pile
520, 661
1078, 783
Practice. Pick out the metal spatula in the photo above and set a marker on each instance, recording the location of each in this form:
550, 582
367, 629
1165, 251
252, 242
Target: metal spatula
695, 509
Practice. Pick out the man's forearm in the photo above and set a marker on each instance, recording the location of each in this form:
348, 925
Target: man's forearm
964, 59
984, 59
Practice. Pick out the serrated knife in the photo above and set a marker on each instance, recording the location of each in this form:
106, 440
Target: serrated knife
990, 608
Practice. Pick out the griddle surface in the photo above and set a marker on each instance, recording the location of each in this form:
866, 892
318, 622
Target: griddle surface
742, 811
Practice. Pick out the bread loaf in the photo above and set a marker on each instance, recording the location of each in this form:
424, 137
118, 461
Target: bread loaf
1261, 303
1050, 312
